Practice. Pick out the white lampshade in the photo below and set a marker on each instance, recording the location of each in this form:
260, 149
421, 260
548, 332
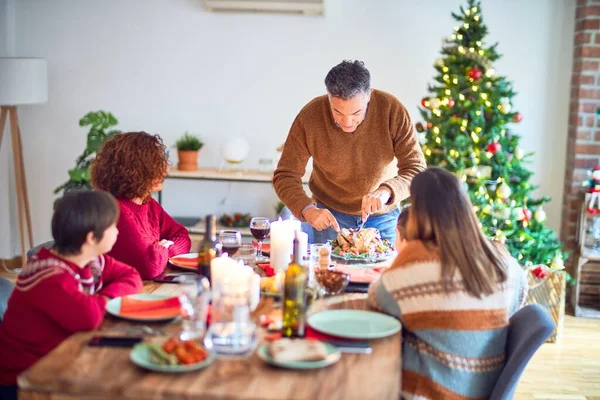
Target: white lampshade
23, 81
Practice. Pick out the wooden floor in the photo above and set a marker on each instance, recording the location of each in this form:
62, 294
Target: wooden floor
569, 370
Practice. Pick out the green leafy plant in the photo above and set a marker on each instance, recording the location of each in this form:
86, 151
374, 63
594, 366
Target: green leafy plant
189, 142
99, 123
279, 207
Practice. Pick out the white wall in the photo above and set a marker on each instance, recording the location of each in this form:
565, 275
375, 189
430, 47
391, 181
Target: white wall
9, 242
171, 66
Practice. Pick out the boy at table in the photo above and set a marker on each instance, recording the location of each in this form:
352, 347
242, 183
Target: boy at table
64, 289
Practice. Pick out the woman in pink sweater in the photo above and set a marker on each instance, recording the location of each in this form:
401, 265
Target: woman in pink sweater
132, 166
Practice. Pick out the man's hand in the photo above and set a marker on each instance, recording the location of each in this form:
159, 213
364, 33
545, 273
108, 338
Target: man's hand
320, 219
374, 201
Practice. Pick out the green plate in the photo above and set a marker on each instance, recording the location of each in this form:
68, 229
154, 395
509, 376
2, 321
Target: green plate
140, 356
334, 356
113, 307
354, 324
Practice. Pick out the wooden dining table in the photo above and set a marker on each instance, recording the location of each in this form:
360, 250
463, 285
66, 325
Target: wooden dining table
74, 370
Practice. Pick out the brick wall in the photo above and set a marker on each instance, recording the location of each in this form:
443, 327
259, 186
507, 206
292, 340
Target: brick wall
583, 143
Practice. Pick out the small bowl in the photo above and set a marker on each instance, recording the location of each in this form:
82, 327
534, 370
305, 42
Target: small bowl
331, 281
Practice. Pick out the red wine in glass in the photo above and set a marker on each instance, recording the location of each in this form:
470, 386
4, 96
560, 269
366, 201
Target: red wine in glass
230, 248
260, 233
260, 228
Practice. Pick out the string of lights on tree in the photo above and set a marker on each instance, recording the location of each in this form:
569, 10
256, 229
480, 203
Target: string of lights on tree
467, 129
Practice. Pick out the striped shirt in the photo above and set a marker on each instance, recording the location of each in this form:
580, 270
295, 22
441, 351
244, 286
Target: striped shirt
453, 343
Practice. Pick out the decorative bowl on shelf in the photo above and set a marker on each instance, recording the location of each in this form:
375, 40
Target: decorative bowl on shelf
237, 220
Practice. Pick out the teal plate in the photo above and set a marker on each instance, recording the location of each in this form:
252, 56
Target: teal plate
354, 324
140, 356
333, 356
113, 307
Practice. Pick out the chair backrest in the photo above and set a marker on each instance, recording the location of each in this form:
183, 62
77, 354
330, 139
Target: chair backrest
6, 288
528, 329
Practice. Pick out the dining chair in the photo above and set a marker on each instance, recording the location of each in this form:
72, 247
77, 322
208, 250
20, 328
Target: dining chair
528, 329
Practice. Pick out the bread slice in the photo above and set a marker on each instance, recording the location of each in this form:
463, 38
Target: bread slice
289, 350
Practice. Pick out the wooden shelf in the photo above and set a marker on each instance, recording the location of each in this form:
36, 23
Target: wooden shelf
200, 228
217, 174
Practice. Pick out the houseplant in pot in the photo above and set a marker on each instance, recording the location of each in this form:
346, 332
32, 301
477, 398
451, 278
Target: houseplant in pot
101, 125
187, 152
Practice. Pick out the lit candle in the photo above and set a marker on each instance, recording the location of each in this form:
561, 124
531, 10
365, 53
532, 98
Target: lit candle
221, 268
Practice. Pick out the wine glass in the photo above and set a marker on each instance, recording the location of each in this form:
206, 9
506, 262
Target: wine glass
260, 229
230, 241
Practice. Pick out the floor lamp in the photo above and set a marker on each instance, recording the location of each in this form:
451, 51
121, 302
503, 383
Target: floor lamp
22, 81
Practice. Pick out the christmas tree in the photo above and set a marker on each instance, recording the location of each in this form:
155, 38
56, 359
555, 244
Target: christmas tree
468, 130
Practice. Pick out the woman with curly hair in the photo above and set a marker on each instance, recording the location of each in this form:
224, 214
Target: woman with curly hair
132, 166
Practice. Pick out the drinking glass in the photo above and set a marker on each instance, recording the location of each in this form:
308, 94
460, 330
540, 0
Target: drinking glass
232, 332
260, 229
230, 241
194, 298
246, 254
314, 260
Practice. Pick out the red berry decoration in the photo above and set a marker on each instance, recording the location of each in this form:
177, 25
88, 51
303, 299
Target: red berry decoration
540, 272
450, 103
517, 118
475, 73
494, 147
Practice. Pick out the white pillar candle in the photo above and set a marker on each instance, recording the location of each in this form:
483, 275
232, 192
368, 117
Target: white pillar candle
302, 244
220, 268
282, 244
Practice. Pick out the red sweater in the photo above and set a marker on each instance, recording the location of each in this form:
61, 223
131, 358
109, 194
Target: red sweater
141, 227
54, 298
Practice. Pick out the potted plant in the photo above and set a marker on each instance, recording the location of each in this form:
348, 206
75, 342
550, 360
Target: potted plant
187, 152
99, 123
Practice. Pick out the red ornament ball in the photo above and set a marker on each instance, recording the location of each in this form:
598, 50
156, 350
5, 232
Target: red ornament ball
527, 214
450, 103
425, 102
494, 147
475, 73
429, 125
540, 272
517, 118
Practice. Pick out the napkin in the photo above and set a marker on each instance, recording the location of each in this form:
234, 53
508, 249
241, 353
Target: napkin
269, 271
266, 247
159, 308
184, 261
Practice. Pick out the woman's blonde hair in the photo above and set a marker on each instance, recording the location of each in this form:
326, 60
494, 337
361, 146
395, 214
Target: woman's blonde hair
442, 216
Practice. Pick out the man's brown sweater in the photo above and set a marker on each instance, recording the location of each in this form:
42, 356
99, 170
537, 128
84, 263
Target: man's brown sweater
347, 166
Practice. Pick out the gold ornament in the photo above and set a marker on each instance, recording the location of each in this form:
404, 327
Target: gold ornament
504, 108
540, 215
434, 103
503, 191
519, 153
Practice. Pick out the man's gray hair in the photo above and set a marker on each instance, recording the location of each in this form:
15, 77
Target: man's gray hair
348, 79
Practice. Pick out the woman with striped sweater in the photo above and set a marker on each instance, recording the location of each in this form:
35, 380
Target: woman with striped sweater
454, 291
